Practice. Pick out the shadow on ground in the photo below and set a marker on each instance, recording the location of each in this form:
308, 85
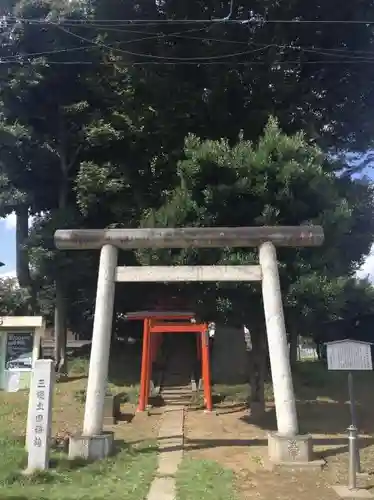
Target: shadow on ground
320, 417
334, 446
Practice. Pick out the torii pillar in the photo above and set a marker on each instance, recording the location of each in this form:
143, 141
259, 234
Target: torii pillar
286, 445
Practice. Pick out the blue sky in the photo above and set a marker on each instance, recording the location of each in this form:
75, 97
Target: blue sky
8, 245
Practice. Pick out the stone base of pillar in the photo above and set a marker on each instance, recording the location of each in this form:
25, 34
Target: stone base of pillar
91, 447
292, 451
345, 492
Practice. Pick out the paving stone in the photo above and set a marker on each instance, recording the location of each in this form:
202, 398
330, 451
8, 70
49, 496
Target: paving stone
162, 488
168, 462
170, 442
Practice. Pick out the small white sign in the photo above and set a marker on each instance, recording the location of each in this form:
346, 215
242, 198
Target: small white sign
349, 355
40, 415
13, 381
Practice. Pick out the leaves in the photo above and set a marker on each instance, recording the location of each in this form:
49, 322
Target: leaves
89, 139
281, 180
13, 300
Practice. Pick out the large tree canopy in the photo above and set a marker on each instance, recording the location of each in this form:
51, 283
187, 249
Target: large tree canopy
127, 113
281, 180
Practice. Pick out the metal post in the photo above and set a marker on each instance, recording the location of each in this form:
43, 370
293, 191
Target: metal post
352, 407
352, 467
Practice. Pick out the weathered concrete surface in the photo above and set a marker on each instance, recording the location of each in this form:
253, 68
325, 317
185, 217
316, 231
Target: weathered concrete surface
170, 439
345, 492
169, 462
284, 394
162, 488
91, 447
170, 442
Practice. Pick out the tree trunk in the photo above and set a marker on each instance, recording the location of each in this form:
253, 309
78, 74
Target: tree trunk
22, 257
60, 305
60, 329
257, 369
66, 163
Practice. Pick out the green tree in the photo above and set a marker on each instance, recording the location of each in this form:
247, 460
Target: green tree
281, 180
313, 77
14, 301
92, 138
63, 130
169, 79
44, 114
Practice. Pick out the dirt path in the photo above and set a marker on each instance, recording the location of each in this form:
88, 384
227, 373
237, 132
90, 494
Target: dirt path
231, 440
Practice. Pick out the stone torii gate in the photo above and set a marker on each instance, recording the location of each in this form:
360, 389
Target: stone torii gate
286, 444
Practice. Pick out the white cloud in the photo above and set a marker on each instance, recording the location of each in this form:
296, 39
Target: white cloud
10, 221
367, 268
8, 274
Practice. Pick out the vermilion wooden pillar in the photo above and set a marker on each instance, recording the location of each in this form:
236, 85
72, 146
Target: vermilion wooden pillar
206, 368
144, 376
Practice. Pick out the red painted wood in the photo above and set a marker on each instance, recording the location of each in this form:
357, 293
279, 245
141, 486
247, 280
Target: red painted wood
153, 329
144, 367
206, 370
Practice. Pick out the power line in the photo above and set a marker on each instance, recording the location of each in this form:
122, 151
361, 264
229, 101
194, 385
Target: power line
181, 34
45, 53
237, 54
250, 63
153, 36
173, 59
18, 58
120, 29
252, 20
272, 64
92, 45
163, 58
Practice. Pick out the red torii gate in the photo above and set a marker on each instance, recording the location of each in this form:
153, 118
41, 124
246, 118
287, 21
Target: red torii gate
155, 323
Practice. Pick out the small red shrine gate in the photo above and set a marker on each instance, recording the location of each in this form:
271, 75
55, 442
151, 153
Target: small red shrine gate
156, 323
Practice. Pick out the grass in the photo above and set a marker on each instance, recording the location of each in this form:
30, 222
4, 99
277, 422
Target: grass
239, 393
312, 381
79, 366
126, 475
205, 480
